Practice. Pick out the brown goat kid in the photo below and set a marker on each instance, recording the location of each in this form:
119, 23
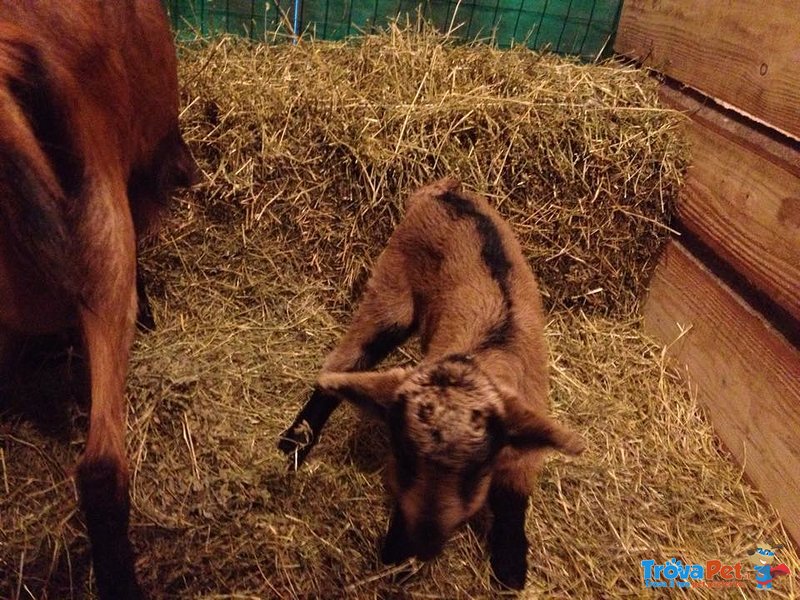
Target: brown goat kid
89, 152
469, 424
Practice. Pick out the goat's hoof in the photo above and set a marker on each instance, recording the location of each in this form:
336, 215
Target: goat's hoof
510, 571
127, 591
115, 573
394, 554
399, 559
296, 442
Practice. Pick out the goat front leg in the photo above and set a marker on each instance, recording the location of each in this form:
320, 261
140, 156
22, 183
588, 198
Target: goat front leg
397, 545
107, 321
351, 355
508, 546
383, 321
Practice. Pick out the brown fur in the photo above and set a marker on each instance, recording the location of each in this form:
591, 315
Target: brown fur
473, 414
89, 151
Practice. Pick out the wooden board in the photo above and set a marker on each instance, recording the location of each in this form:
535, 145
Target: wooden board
761, 140
745, 53
742, 199
746, 374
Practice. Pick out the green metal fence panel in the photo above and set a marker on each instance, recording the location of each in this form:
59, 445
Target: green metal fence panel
252, 18
579, 27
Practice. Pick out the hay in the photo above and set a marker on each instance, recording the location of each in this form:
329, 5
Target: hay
215, 514
247, 285
316, 144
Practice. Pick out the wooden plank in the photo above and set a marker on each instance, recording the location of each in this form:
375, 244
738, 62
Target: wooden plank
745, 53
746, 374
763, 141
742, 199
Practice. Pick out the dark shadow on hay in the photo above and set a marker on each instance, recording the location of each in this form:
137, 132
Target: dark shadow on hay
60, 579
46, 389
368, 445
45, 380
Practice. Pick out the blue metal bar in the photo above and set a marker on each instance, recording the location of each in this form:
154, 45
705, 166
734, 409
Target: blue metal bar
296, 20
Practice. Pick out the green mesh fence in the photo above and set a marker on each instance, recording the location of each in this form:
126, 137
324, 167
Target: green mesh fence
579, 27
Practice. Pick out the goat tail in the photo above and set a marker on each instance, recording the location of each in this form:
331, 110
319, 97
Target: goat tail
436, 189
33, 203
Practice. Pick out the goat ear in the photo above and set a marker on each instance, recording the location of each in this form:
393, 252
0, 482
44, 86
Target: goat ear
373, 391
527, 429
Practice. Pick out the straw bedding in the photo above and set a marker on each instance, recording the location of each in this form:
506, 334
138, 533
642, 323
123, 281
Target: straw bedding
308, 151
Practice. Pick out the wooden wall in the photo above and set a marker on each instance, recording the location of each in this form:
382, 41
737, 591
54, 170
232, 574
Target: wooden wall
743, 52
725, 296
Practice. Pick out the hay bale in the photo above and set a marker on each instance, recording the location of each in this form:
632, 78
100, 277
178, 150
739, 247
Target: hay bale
247, 286
318, 143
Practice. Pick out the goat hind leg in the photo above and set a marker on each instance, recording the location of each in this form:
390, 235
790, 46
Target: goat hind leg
107, 323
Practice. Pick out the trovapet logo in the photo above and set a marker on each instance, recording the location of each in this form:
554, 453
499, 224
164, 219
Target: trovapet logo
715, 573
674, 573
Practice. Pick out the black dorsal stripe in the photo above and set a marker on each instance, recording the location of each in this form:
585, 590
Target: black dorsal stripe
496, 260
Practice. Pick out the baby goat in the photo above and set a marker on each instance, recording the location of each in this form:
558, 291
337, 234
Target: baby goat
468, 423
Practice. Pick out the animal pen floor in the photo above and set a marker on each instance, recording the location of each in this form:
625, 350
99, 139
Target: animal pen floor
307, 152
